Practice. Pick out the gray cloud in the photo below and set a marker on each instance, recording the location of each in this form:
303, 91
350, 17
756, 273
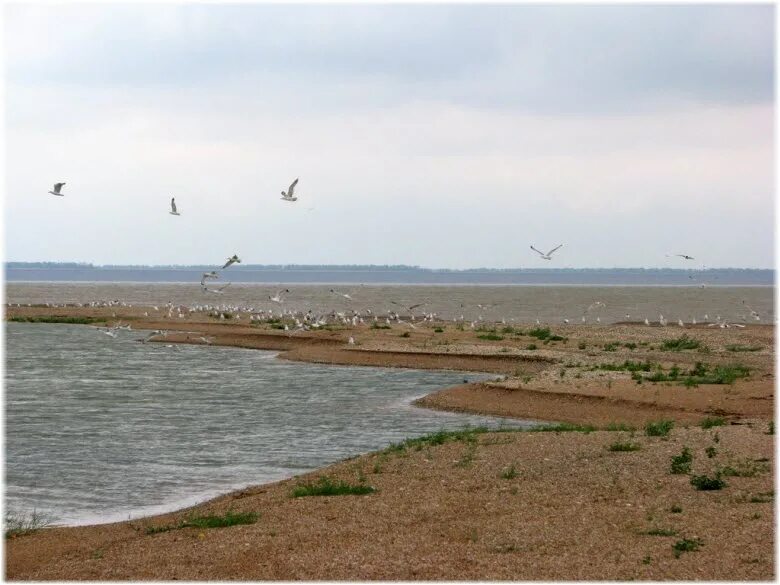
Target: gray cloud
553, 58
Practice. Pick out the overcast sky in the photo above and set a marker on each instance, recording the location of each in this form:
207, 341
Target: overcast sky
441, 136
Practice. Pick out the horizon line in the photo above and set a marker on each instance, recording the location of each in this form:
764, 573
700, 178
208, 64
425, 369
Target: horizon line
80, 264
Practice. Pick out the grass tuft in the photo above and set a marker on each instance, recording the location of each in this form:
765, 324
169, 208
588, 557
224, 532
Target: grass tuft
619, 427
658, 428
661, 532
541, 333
681, 463
327, 487
686, 545
228, 519
739, 348
21, 523
706, 483
717, 421
681, 343
625, 447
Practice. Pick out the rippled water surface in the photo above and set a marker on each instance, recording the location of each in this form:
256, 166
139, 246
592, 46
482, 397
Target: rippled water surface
100, 429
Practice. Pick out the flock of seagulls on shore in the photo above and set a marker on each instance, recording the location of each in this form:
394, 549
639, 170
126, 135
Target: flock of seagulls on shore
306, 321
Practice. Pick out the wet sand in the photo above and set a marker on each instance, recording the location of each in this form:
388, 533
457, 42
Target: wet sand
572, 510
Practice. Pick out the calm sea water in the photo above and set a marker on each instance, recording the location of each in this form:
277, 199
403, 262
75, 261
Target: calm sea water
684, 274
101, 429
524, 304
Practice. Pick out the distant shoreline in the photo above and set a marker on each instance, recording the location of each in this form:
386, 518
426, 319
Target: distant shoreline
379, 284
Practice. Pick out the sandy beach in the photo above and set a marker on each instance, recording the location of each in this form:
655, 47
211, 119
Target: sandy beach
569, 504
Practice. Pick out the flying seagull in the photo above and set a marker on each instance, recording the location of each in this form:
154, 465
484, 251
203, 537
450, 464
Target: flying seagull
409, 308
289, 195
682, 256
345, 295
173, 207
277, 298
218, 291
57, 189
547, 256
212, 274
232, 260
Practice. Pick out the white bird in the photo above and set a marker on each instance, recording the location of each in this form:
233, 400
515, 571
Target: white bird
212, 274
232, 260
217, 291
548, 255
173, 207
57, 189
289, 195
109, 332
409, 308
277, 298
682, 256
351, 341
346, 296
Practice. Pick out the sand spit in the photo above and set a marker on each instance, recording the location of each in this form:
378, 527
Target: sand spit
509, 505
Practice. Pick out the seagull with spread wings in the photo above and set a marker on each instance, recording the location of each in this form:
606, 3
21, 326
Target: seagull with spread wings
277, 298
212, 274
548, 255
232, 260
57, 190
218, 291
288, 196
341, 294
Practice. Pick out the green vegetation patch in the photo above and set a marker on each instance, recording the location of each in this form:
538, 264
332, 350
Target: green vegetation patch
468, 434
58, 319
681, 343
763, 497
737, 348
21, 523
541, 333
701, 374
661, 532
563, 428
628, 366
619, 427
659, 428
491, 337
745, 468
686, 545
681, 463
625, 446
230, 518
709, 422
327, 487
706, 483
